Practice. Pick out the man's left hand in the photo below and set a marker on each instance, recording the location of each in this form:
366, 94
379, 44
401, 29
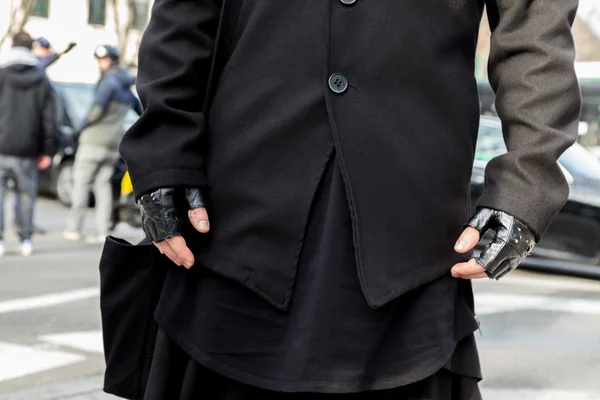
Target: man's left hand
512, 242
44, 162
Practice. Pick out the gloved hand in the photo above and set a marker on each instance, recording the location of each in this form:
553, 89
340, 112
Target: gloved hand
69, 48
160, 221
512, 242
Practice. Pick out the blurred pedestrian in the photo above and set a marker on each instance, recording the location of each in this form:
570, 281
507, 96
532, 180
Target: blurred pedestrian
98, 143
42, 49
333, 161
46, 57
27, 131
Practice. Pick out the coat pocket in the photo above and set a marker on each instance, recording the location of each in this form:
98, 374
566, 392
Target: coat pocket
131, 279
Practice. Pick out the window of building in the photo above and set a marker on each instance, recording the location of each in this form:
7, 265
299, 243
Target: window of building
140, 10
40, 8
97, 12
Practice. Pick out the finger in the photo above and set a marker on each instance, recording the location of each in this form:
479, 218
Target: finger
467, 241
184, 254
476, 276
165, 248
467, 268
159, 246
199, 219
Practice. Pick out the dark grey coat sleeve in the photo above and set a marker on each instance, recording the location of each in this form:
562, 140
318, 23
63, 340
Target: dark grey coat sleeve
49, 129
164, 147
531, 69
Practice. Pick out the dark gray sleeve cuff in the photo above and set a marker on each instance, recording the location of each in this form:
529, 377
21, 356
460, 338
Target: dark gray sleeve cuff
535, 212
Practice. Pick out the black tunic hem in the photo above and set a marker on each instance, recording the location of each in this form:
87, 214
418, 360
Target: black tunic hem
384, 383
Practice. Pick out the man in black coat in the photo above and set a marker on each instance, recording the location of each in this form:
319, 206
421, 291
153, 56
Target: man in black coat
383, 94
27, 131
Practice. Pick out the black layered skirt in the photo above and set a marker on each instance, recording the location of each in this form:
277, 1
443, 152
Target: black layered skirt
177, 376
218, 340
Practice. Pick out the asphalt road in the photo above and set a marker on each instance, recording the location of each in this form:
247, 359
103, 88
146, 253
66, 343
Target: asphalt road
541, 334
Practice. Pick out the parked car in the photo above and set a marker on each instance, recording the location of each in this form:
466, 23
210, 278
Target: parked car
56, 181
595, 151
590, 110
73, 101
572, 242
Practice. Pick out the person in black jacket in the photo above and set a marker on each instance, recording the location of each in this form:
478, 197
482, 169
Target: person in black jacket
46, 57
318, 196
27, 131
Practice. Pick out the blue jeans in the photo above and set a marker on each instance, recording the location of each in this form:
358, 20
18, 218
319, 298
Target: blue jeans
24, 171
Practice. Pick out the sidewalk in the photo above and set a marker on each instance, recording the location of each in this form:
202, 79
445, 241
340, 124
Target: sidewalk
86, 389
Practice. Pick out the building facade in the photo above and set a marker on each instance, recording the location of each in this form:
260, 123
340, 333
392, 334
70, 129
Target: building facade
87, 22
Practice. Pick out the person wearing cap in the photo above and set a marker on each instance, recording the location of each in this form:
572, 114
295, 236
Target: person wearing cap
43, 51
98, 142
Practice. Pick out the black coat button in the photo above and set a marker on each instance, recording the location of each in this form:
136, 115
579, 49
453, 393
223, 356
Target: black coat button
348, 2
338, 83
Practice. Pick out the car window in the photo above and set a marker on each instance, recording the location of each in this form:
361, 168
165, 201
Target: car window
81, 97
577, 160
490, 143
77, 98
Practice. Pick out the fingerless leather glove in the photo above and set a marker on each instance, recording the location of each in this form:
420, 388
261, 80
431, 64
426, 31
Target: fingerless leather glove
160, 213
512, 242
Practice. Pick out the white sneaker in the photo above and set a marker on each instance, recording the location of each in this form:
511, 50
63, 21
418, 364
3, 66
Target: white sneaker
73, 236
26, 248
1, 248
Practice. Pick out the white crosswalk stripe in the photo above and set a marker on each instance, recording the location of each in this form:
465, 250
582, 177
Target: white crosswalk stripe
48, 300
491, 303
90, 341
17, 360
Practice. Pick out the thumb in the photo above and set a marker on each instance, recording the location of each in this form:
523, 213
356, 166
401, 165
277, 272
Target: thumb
467, 241
199, 219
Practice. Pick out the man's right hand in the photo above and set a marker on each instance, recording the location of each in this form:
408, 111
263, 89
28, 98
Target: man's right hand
160, 221
44, 162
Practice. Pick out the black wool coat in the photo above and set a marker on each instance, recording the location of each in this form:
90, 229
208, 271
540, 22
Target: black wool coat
402, 117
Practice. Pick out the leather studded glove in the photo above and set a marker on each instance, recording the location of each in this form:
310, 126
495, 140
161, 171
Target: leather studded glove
510, 245
160, 212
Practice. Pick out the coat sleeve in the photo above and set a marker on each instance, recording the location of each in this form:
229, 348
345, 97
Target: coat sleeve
164, 147
49, 134
531, 69
102, 99
47, 61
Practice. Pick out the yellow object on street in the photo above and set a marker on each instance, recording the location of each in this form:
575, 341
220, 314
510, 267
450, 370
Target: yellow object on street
126, 186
